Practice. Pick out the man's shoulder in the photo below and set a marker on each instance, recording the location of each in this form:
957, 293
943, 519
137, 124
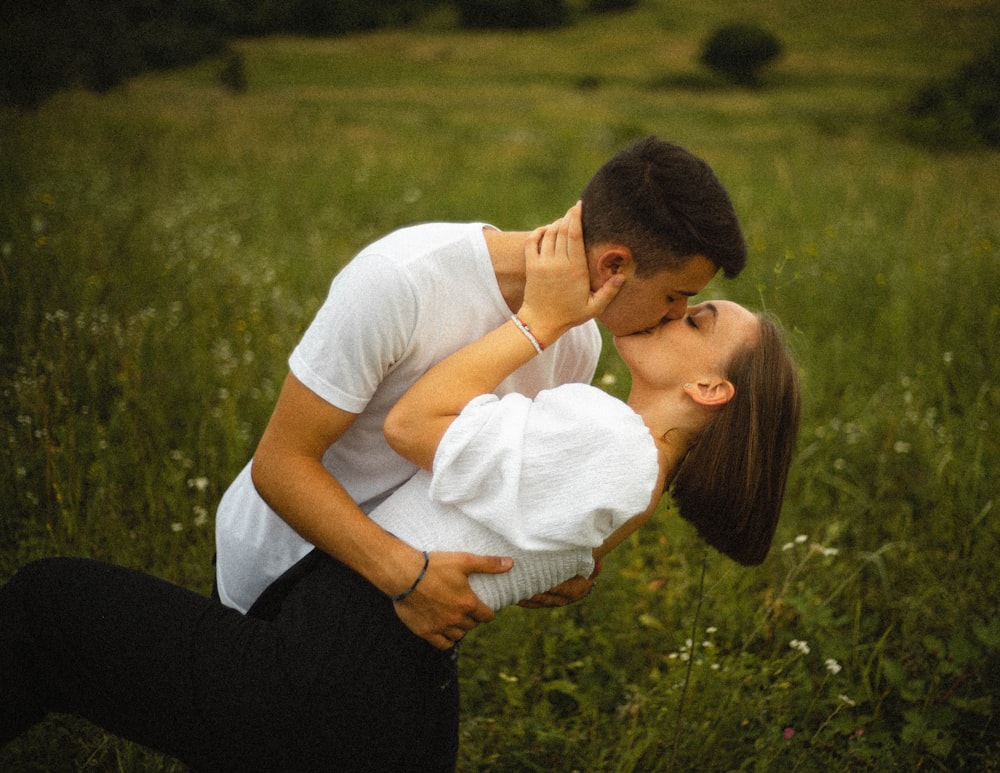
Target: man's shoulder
428, 257
422, 238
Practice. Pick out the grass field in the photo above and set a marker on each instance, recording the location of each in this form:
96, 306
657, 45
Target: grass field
163, 246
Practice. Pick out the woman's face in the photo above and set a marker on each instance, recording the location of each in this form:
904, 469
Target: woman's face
686, 350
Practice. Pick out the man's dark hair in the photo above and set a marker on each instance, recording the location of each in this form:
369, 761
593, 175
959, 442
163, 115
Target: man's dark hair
666, 205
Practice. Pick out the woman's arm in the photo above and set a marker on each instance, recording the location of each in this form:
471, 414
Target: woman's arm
557, 297
418, 421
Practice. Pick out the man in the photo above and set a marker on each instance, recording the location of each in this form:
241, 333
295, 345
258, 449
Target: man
654, 214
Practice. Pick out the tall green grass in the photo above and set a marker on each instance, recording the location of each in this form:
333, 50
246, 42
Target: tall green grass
163, 246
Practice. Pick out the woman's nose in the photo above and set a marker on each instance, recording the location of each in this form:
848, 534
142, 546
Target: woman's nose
677, 308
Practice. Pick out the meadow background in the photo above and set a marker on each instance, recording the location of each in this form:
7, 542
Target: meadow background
164, 244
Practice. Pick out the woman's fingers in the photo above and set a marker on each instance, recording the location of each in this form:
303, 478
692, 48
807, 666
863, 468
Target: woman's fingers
560, 235
558, 293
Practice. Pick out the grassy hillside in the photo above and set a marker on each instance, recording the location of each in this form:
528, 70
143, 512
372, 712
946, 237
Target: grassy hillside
162, 246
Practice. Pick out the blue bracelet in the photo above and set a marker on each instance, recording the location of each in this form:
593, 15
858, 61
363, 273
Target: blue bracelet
416, 582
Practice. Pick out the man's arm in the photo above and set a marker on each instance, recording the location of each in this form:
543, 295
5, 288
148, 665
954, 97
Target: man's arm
288, 473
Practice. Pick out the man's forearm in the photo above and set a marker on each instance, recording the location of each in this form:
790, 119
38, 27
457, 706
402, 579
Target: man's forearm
321, 511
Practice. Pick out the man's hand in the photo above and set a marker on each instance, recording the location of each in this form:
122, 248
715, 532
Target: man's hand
443, 608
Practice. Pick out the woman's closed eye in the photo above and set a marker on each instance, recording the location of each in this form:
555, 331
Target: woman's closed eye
690, 321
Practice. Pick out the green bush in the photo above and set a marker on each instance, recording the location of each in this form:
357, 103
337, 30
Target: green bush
512, 14
233, 74
963, 111
739, 51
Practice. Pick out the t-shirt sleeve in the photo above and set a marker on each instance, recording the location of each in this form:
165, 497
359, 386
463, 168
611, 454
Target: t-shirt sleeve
561, 471
359, 333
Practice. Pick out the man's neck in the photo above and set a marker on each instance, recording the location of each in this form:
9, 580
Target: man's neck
506, 250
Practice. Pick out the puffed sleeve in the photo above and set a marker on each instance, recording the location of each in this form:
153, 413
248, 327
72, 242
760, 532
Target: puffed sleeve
561, 471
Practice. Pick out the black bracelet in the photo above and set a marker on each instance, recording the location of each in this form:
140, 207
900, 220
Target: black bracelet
416, 582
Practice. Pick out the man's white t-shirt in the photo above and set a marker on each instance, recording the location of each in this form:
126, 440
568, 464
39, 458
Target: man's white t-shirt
403, 304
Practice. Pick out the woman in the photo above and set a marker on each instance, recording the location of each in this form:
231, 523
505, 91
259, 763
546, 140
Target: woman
505, 475
335, 681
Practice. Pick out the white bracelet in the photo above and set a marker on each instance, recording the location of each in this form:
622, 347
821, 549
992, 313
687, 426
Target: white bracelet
528, 334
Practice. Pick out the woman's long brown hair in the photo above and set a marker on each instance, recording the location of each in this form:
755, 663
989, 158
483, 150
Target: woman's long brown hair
732, 482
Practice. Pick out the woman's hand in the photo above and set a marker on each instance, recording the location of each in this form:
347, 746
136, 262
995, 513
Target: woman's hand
558, 293
568, 592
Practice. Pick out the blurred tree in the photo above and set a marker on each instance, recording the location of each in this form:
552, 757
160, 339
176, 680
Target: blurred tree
512, 14
96, 44
739, 51
962, 111
602, 6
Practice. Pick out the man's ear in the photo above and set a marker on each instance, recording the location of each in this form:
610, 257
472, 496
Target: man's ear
711, 392
614, 259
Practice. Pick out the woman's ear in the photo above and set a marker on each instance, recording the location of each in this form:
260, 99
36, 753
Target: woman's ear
711, 392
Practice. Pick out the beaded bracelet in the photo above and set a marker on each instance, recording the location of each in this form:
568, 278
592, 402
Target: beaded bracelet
416, 582
527, 332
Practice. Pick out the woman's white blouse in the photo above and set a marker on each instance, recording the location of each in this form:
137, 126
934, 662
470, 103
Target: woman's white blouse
544, 481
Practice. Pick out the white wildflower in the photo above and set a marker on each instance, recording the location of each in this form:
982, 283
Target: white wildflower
199, 483
801, 646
